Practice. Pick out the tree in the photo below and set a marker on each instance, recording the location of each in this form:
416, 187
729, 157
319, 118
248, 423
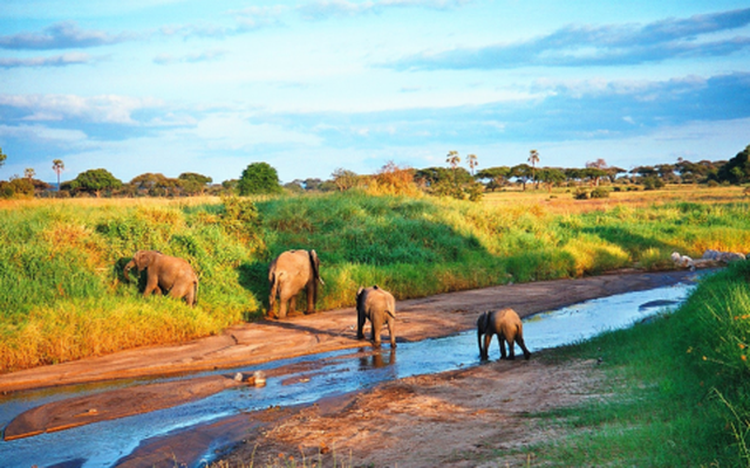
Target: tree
3, 157
533, 159
551, 176
259, 178
29, 173
521, 172
471, 160
193, 183
737, 169
495, 175
345, 179
155, 185
95, 180
58, 166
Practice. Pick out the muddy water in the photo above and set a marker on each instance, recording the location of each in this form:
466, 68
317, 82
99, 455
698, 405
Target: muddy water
305, 380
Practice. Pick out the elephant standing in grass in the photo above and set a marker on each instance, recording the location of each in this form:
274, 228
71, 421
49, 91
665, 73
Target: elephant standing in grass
507, 325
288, 274
165, 274
379, 306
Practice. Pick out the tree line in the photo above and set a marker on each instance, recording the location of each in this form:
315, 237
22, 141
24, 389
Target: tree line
453, 180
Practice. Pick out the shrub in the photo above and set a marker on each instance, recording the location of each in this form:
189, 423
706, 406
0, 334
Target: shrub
600, 192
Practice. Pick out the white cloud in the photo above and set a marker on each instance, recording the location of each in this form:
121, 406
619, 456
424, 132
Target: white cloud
96, 109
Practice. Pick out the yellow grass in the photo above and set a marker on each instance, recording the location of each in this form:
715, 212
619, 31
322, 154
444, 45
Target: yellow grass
561, 201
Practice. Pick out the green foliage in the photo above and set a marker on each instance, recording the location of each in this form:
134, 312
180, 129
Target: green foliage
259, 178
737, 169
65, 262
678, 387
94, 181
16, 188
71, 254
600, 192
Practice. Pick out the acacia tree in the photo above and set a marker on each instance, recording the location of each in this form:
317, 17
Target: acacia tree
495, 175
259, 178
95, 181
3, 157
58, 166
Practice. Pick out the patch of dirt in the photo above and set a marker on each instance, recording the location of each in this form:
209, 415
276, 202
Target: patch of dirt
467, 418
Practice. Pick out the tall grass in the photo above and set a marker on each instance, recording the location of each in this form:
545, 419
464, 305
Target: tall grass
62, 289
679, 387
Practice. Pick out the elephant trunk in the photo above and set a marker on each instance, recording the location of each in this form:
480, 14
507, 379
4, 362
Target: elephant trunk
128, 267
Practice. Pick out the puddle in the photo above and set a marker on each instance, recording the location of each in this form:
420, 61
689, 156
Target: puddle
308, 379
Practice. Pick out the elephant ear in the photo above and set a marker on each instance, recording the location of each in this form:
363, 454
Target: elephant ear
315, 263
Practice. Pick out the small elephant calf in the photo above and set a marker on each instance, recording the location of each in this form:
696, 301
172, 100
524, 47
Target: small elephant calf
379, 306
507, 325
165, 274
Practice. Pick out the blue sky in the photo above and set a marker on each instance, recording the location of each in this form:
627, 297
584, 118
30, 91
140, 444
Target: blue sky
177, 86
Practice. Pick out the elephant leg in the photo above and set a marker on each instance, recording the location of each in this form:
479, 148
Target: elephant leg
526, 353
511, 349
392, 331
487, 342
310, 298
284, 300
152, 284
361, 325
501, 340
292, 305
375, 335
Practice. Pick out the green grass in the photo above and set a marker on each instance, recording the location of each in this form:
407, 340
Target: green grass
63, 296
677, 389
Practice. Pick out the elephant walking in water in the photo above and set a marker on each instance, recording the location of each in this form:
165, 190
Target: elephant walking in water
288, 274
507, 325
379, 306
165, 274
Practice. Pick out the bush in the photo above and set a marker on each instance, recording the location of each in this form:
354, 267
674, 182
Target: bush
581, 194
600, 192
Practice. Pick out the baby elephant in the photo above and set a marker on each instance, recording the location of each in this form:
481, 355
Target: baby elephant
165, 274
504, 323
379, 306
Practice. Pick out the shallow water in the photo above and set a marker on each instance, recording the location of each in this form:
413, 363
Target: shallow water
308, 379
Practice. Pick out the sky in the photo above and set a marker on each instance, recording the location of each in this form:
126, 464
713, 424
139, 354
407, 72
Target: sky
312, 86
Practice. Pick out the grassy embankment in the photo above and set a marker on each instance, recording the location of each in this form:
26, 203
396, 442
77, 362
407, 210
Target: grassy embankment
677, 389
62, 294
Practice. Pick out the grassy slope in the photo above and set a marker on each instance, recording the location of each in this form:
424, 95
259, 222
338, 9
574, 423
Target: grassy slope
63, 295
678, 392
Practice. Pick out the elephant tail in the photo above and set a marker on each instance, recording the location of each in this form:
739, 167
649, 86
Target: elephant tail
273, 280
315, 263
195, 291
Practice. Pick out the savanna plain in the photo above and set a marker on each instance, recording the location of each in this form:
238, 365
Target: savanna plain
670, 392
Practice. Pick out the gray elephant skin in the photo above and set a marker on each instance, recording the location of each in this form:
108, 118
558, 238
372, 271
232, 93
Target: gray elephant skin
507, 325
165, 274
290, 273
379, 307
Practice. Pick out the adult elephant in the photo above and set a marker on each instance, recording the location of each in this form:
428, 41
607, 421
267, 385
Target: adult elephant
165, 274
288, 274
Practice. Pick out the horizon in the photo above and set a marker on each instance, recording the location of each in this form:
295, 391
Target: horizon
313, 86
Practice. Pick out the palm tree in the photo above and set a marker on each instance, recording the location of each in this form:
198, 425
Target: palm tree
58, 166
533, 159
453, 159
471, 160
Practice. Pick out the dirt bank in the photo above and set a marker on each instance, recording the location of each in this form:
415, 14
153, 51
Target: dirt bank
428, 418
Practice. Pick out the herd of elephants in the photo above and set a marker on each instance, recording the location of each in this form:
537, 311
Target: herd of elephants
295, 270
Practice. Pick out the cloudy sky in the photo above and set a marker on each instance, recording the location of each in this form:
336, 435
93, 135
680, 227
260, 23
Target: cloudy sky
310, 86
